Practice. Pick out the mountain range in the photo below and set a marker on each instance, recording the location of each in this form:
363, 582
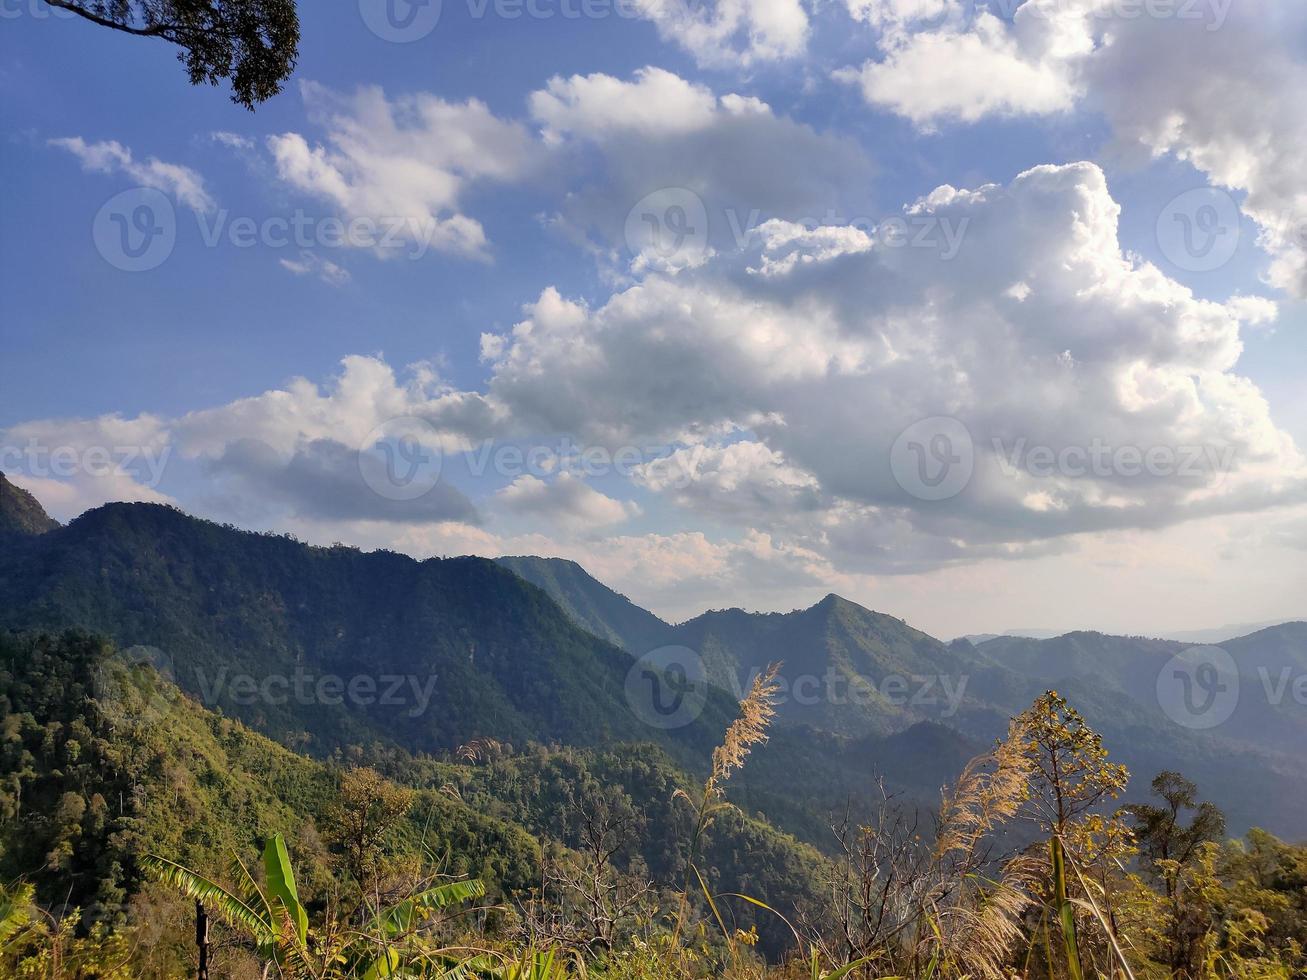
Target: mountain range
1252, 764
529, 650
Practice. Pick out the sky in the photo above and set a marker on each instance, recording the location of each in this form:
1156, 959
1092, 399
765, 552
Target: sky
990, 316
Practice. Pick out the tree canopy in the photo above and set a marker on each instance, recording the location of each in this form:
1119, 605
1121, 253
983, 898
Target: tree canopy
254, 43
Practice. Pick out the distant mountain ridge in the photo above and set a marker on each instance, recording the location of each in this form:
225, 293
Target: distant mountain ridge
1213, 635
1253, 764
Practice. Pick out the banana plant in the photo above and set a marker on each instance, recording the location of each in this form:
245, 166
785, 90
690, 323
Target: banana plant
275, 918
272, 914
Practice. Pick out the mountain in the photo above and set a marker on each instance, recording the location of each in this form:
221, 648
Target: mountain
1220, 634
847, 669
1251, 762
590, 604
332, 646
325, 649
96, 774
864, 677
20, 513
830, 651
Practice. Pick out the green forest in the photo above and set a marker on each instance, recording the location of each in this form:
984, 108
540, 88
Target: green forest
125, 823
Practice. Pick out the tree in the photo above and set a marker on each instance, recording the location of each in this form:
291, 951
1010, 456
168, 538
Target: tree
252, 42
1071, 778
1161, 835
369, 807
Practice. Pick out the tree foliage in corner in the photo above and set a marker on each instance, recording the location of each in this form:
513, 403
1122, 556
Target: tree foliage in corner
252, 42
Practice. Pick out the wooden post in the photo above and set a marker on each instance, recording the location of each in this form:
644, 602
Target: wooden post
202, 939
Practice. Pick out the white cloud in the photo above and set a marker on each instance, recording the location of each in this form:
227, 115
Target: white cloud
366, 394
729, 157
1213, 84
404, 163
741, 483
233, 141
1229, 102
731, 33
657, 104
65, 499
110, 156
784, 393
967, 72
827, 360
311, 264
565, 500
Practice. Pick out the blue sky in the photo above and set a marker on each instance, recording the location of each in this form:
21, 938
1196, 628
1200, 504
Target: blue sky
781, 378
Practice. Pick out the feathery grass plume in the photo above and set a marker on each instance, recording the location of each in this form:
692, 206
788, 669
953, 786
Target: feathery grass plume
747, 730
984, 921
989, 792
980, 932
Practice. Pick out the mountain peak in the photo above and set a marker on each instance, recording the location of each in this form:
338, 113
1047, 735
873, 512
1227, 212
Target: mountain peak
833, 601
20, 512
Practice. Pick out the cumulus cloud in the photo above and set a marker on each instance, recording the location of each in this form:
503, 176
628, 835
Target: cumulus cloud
401, 166
934, 55
1211, 83
398, 168
328, 452
660, 140
364, 396
741, 482
1228, 102
110, 156
327, 480
828, 360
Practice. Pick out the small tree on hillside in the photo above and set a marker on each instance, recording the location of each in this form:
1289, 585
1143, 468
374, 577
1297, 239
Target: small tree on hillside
368, 808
